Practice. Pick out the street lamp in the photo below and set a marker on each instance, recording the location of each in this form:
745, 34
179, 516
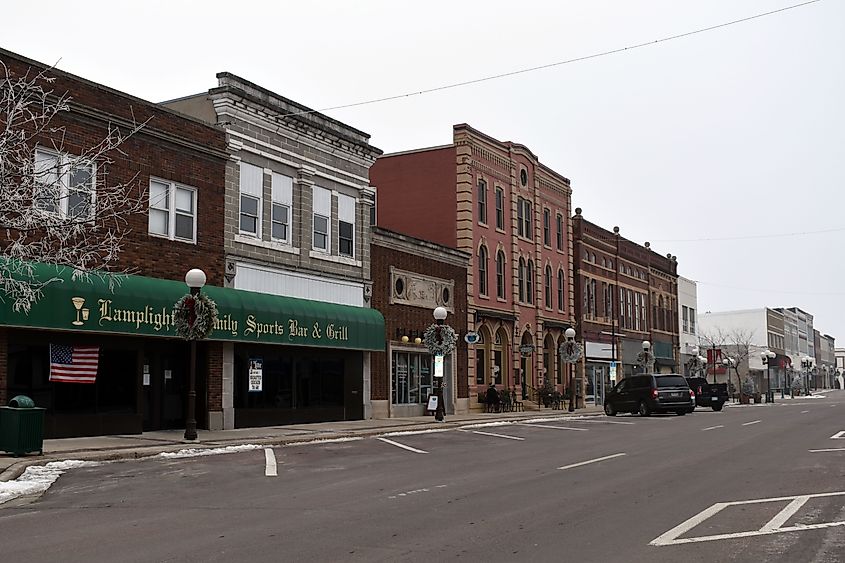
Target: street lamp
807, 364
570, 340
728, 363
647, 357
697, 363
440, 412
195, 280
767, 356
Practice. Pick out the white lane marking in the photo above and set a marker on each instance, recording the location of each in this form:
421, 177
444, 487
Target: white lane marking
671, 537
415, 492
838, 436
403, 446
750, 423
713, 427
827, 450
785, 514
598, 459
555, 427
493, 434
804, 412
270, 467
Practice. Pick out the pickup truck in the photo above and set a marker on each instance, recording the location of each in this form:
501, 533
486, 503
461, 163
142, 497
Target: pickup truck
712, 395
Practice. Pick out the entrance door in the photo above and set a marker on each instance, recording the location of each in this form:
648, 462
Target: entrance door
165, 388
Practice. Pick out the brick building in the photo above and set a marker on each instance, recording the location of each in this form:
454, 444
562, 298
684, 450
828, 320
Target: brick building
626, 294
141, 377
410, 278
498, 203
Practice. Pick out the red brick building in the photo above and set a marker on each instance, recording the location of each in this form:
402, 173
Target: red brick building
410, 278
140, 380
625, 294
498, 203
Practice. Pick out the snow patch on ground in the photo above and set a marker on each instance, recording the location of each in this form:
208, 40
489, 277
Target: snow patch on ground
197, 452
413, 432
38, 478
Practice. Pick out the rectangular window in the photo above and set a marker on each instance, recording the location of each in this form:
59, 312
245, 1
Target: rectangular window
691, 320
559, 233
282, 203
251, 194
500, 209
547, 227
172, 210
480, 365
346, 225
529, 232
482, 201
520, 224
685, 314
321, 219
64, 184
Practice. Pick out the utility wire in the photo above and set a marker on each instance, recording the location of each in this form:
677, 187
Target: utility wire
552, 65
759, 290
746, 237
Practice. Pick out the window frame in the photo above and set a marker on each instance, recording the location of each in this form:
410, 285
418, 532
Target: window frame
559, 234
61, 205
548, 289
561, 278
258, 198
501, 292
172, 211
500, 208
547, 227
482, 201
482, 271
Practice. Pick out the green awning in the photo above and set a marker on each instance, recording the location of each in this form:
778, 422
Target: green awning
143, 306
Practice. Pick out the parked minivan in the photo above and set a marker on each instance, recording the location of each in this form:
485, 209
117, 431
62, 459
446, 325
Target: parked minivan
645, 394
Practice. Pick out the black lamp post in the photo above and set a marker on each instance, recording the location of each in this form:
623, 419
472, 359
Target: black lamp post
767, 356
440, 412
807, 364
570, 340
728, 363
195, 280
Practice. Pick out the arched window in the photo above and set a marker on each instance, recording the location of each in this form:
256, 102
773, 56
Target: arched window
548, 287
500, 275
560, 289
482, 270
530, 283
520, 278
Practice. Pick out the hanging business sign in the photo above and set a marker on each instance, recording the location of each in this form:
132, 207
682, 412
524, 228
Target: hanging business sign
471, 337
256, 375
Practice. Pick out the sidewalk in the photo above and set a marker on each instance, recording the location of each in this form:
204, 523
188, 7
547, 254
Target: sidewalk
134, 446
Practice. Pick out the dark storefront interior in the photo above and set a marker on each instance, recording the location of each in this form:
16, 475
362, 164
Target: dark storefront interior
112, 405
298, 385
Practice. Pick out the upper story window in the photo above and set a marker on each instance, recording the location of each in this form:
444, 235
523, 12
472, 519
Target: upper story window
547, 227
282, 203
559, 232
529, 283
500, 208
520, 279
523, 218
547, 289
346, 225
321, 219
173, 210
685, 313
482, 270
560, 280
482, 201
500, 274
691, 320
251, 193
64, 184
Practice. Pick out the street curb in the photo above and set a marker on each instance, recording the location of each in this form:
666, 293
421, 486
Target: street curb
134, 452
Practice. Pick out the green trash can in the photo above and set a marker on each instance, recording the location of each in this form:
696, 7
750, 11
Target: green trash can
22, 427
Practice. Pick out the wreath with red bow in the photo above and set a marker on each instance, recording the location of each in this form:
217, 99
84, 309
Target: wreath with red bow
195, 316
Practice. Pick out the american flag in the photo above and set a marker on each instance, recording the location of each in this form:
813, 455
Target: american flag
74, 364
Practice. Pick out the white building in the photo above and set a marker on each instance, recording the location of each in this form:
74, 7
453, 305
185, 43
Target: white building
687, 318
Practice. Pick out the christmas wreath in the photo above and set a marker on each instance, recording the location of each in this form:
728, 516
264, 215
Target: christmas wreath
195, 316
440, 339
570, 352
645, 359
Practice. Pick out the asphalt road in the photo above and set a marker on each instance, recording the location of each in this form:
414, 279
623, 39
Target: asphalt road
493, 493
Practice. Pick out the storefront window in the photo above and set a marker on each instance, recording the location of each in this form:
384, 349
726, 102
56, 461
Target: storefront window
411, 376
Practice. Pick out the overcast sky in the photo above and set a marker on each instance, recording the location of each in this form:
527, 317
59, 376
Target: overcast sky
717, 147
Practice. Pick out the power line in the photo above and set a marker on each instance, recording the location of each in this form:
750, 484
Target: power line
747, 237
552, 65
763, 290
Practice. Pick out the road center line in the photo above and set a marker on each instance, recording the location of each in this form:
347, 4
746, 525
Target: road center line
750, 423
712, 427
493, 434
827, 450
270, 467
598, 459
785, 514
555, 427
403, 446
804, 412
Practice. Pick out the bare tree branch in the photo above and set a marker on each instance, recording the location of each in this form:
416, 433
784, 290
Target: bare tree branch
56, 206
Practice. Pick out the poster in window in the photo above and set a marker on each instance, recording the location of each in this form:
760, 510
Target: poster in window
256, 375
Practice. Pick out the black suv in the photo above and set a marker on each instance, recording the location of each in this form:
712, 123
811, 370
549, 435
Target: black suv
645, 394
